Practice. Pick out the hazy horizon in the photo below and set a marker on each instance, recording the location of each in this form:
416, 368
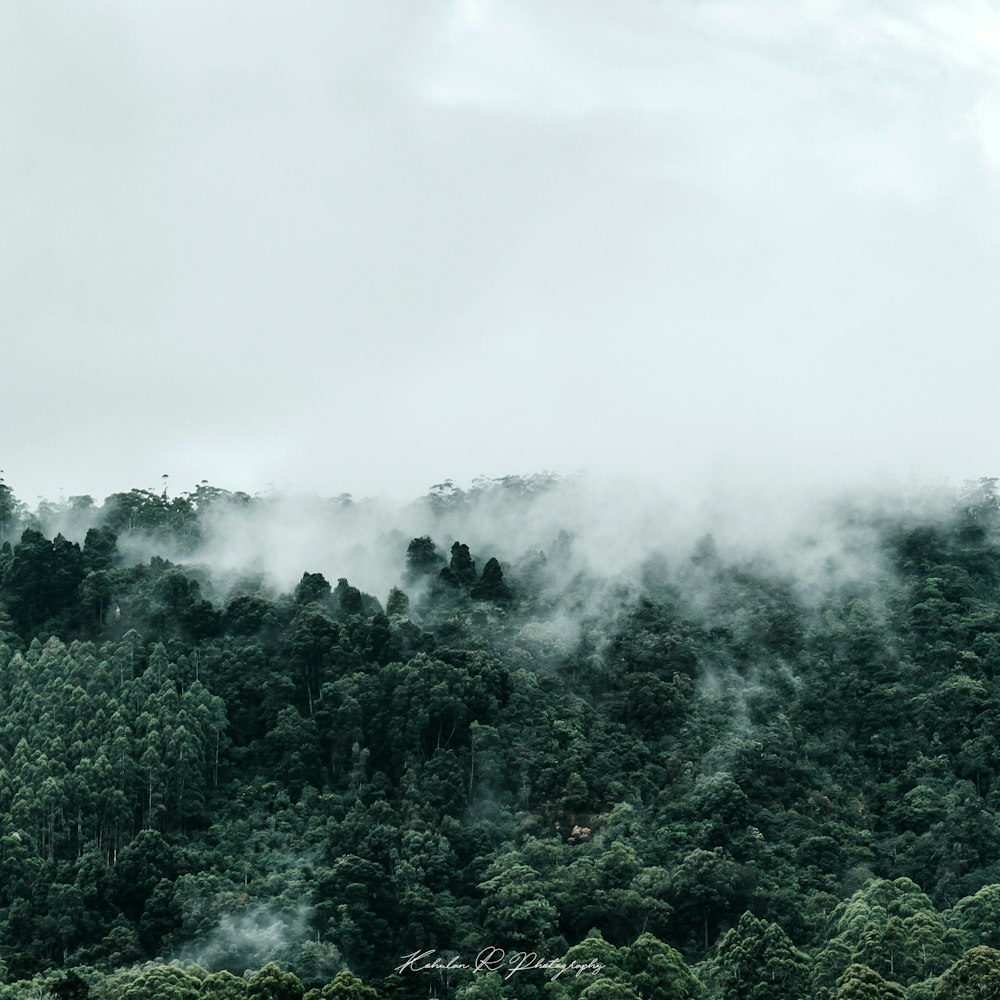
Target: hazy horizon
367, 248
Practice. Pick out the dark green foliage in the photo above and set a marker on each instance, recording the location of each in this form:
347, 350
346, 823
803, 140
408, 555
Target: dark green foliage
349, 599
978, 917
100, 550
491, 586
462, 566
790, 790
657, 970
70, 987
422, 559
312, 587
10, 512
250, 614
41, 579
398, 603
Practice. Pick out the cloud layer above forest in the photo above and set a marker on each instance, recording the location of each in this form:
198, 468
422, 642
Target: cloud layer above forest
368, 247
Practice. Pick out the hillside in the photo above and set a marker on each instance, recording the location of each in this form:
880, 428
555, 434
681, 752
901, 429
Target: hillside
696, 763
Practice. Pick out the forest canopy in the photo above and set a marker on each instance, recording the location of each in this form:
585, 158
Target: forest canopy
678, 763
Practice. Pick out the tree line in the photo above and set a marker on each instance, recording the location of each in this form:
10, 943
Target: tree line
715, 781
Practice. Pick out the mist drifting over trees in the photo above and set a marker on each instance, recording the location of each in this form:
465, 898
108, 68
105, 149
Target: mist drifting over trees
256, 746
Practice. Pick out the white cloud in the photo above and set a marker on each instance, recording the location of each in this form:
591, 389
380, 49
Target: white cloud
354, 247
985, 121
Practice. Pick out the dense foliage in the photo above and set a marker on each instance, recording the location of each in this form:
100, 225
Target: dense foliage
709, 778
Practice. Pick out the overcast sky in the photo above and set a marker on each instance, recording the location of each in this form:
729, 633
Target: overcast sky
367, 246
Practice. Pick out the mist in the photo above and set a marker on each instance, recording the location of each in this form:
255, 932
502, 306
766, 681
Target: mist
587, 540
267, 932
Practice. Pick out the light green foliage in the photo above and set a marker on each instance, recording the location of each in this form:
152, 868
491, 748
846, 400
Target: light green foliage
891, 927
657, 970
516, 905
164, 982
757, 959
592, 951
223, 986
270, 983
484, 986
859, 982
978, 917
606, 989
344, 986
975, 976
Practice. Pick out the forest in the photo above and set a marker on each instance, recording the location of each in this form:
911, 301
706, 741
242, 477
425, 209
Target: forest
654, 764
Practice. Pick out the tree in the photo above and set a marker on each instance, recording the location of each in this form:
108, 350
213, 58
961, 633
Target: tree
398, 603
602, 961
606, 989
978, 917
249, 614
859, 982
147, 860
95, 598
462, 565
160, 916
270, 983
312, 643
10, 509
657, 970
164, 981
491, 586
312, 587
516, 904
704, 883
345, 986
756, 958
975, 976
891, 927
422, 560
70, 987
100, 550
484, 986
349, 599
135, 510
42, 578
223, 985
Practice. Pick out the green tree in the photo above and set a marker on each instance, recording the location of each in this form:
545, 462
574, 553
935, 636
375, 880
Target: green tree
312, 587
978, 917
100, 550
491, 586
975, 976
657, 970
398, 603
423, 560
859, 982
270, 983
516, 906
600, 959
704, 884
605, 989
164, 982
10, 509
756, 958
345, 986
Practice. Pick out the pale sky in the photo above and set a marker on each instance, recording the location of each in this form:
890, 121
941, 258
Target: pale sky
367, 246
